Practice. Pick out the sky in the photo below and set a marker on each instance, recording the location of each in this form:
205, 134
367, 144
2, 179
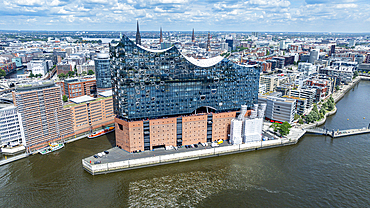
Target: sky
351, 16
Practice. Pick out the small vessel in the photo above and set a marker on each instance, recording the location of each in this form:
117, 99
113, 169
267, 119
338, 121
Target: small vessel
51, 148
101, 132
13, 150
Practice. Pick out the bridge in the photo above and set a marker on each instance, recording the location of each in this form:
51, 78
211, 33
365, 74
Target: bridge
338, 133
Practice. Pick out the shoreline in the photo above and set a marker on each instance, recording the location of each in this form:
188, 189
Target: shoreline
108, 165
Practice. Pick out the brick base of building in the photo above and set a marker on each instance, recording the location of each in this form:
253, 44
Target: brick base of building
134, 136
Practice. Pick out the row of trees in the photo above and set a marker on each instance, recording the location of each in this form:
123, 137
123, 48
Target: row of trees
73, 74
316, 115
283, 128
35, 75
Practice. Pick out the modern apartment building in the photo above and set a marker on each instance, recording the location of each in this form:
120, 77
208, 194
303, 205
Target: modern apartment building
43, 117
11, 128
273, 81
102, 71
308, 94
161, 97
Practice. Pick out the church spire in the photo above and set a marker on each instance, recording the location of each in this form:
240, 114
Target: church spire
193, 37
160, 36
209, 42
138, 38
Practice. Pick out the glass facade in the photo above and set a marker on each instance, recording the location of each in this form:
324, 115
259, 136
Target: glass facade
102, 72
154, 84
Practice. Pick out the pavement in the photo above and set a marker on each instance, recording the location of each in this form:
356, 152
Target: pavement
117, 155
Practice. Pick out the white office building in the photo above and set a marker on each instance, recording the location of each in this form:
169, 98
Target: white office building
11, 128
37, 67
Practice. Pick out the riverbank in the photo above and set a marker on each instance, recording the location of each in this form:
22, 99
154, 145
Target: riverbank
120, 160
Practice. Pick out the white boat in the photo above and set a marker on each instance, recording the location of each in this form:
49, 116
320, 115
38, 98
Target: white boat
51, 148
13, 150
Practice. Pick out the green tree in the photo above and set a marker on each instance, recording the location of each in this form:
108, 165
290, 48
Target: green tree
275, 126
300, 121
61, 76
337, 88
84, 73
38, 75
2, 73
284, 128
31, 75
315, 108
296, 116
65, 98
322, 111
90, 72
71, 73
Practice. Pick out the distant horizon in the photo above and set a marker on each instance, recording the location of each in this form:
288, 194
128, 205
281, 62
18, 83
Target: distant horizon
185, 31
317, 16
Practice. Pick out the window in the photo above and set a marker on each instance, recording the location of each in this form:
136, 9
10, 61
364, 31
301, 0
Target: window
120, 126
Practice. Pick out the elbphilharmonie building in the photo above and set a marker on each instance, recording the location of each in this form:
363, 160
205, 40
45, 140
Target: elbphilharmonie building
162, 88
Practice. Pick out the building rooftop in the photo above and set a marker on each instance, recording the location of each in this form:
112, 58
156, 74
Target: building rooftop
107, 93
34, 85
82, 99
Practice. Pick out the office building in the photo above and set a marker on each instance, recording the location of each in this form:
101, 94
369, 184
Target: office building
75, 87
161, 97
278, 109
11, 128
351, 43
63, 68
17, 61
102, 71
89, 113
37, 67
43, 117
314, 56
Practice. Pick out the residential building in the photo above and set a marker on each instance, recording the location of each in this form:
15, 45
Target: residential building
102, 71
308, 94
272, 81
43, 117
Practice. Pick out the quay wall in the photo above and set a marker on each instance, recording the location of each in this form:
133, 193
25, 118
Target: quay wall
96, 169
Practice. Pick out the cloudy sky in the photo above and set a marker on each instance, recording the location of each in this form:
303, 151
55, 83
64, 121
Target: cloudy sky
179, 15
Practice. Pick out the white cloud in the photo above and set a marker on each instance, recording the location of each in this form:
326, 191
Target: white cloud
341, 6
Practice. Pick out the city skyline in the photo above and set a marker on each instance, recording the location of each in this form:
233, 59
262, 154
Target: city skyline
338, 16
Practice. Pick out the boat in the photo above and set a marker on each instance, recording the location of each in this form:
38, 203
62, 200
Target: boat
13, 150
51, 148
101, 132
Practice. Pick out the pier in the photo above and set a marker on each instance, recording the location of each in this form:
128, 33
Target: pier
338, 133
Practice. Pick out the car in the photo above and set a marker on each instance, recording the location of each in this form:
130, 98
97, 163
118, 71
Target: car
106, 152
97, 162
192, 146
195, 145
95, 156
186, 146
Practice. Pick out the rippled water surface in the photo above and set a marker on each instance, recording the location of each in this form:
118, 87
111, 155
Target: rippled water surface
317, 172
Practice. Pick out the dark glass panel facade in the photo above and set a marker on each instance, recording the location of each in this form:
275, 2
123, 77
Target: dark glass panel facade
103, 73
155, 84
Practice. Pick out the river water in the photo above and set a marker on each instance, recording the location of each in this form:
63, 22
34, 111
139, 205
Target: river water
316, 172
